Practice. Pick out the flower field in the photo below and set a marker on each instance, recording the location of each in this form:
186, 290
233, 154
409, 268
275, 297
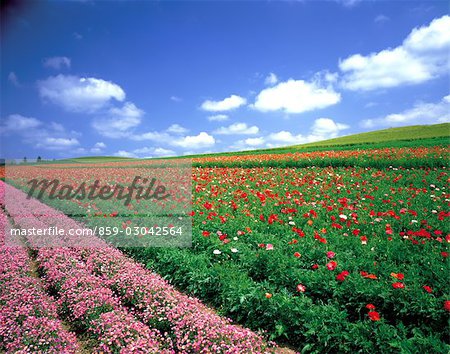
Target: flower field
324, 252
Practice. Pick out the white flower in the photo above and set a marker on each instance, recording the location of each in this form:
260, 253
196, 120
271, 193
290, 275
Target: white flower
342, 216
235, 238
234, 250
291, 223
217, 252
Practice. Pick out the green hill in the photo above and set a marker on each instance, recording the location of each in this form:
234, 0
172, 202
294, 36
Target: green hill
410, 136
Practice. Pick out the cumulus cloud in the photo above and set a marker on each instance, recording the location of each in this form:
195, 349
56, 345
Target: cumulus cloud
327, 127
321, 129
32, 131
177, 129
17, 122
153, 152
119, 121
57, 63
226, 104
422, 56
176, 98
421, 113
381, 18
123, 153
218, 118
296, 96
202, 140
12, 78
51, 143
79, 94
254, 141
237, 128
98, 147
271, 79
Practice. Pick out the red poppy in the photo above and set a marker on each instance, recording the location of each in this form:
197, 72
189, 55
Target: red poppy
447, 305
315, 266
398, 285
374, 316
206, 233
331, 265
370, 306
342, 275
399, 276
297, 255
428, 289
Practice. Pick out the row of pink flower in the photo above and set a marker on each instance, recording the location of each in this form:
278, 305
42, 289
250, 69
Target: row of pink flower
28, 319
82, 298
190, 325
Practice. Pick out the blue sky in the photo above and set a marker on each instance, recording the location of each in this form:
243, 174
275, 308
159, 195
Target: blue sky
149, 79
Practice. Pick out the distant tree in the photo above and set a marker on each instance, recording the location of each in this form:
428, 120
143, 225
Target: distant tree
25, 159
38, 159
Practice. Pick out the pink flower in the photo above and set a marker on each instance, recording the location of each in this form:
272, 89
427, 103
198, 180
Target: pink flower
301, 288
330, 254
269, 247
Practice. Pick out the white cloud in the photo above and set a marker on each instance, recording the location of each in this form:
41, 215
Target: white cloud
199, 141
119, 121
218, 118
421, 113
254, 141
177, 129
327, 127
296, 96
57, 62
12, 78
153, 136
17, 122
176, 98
422, 56
286, 137
123, 153
51, 143
77, 94
381, 18
237, 128
153, 152
32, 131
322, 129
349, 3
98, 147
226, 104
271, 79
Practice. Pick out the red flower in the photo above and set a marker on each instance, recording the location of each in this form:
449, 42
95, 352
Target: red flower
315, 266
370, 306
206, 233
444, 254
398, 285
330, 254
447, 305
342, 275
374, 316
331, 265
399, 276
297, 255
428, 289
208, 205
